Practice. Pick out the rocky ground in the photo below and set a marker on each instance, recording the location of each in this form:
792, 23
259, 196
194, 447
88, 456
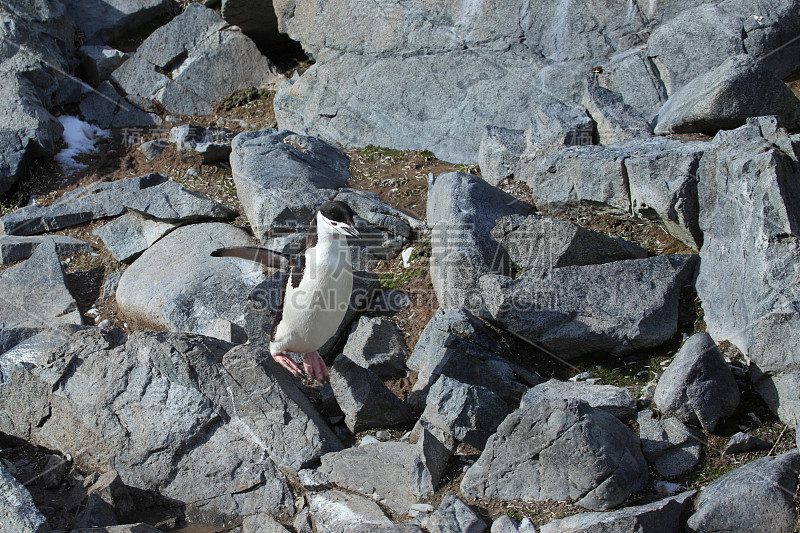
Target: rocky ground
588, 324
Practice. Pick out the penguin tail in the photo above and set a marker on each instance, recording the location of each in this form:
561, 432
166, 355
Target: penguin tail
262, 256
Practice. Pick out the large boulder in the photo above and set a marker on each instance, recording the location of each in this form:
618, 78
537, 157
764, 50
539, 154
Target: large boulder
615, 307
185, 65
462, 210
614, 400
559, 450
16, 248
177, 285
726, 97
35, 298
749, 191
172, 413
39, 42
668, 444
105, 20
378, 344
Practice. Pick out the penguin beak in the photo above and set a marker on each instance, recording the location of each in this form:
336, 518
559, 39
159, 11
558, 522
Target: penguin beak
349, 230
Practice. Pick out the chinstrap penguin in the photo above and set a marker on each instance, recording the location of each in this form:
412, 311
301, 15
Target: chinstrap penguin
317, 292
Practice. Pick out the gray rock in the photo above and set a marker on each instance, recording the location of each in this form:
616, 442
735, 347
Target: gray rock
378, 344
550, 307
462, 210
633, 74
95, 513
31, 75
339, 512
101, 22
98, 62
616, 121
170, 201
614, 400
107, 108
213, 143
34, 298
453, 516
126, 528
177, 284
16, 248
397, 474
566, 243
458, 345
262, 523
302, 522
111, 284
469, 413
54, 471
131, 234
559, 450
742, 442
755, 497
110, 489
185, 65
364, 399
748, 284
698, 386
663, 515
724, 98
153, 149
29, 350
500, 153
672, 447
505, 524
18, 514
100, 200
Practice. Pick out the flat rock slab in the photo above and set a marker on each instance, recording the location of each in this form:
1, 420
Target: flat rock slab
342, 512
615, 307
616, 121
185, 65
131, 234
32, 348
18, 514
755, 497
559, 450
698, 387
366, 402
212, 143
742, 443
462, 210
179, 286
149, 407
673, 448
566, 243
170, 201
16, 248
34, 297
378, 344
107, 108
724, 98
85, 204
663, 515
614, 400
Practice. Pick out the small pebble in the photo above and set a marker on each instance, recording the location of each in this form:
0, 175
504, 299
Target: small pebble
369, 439
105, 323
423, 508
665, 488
93, 312
383, 434
581, 376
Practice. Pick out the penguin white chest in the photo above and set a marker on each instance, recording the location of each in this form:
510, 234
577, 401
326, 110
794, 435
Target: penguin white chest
313, 311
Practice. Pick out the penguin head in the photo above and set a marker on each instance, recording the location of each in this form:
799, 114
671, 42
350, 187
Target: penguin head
337, 217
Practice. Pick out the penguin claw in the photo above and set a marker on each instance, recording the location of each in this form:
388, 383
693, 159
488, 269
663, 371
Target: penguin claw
286, 362
316, 367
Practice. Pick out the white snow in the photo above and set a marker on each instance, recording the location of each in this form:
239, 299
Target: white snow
80, 138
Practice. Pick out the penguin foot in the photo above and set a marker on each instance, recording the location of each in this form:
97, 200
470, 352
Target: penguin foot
288, 363
315, 366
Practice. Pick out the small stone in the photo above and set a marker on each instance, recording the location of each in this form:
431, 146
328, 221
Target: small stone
742, 442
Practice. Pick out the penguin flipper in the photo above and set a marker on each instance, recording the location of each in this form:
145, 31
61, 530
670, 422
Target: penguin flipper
262, 256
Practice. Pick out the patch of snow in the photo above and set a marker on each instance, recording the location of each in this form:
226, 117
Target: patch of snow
80, 138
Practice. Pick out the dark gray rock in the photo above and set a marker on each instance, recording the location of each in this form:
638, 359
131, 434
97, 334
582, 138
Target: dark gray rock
462, 210
54, 471
256, 19
31, 75
749, 197
16, 248
551, 307
153, 149
102, 21
170, 201
758, 496
213, 143
453, 516
615, 120
468, 413
673, 448
111, 284
663, 515
565, 243
178, 285
397, 474
726, 97
185, 65
126, 528
100, 200
378, 344
559, 450
95, 513
742, 443
698, 386
131, 234
18, 514
364, 399
110, 489
107, 108
98, 62
614, 400
34, 298
458, 345
29, 350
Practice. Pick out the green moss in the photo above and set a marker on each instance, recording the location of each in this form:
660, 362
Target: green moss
470, 169
373, 152
398, 280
